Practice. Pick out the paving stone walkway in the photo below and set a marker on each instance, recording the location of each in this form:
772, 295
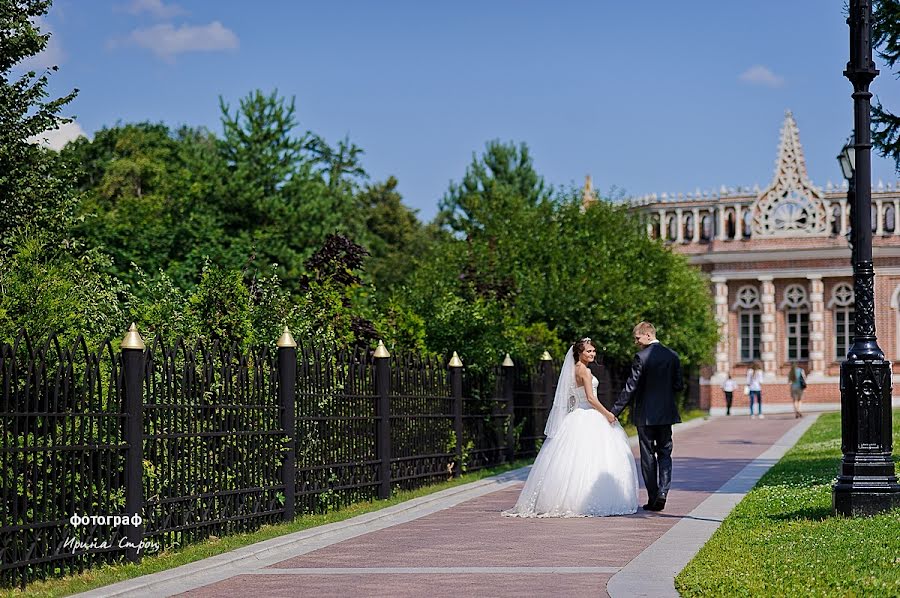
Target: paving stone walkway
456, 543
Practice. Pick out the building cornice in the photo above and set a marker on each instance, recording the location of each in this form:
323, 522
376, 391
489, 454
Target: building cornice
774, 273
780, 255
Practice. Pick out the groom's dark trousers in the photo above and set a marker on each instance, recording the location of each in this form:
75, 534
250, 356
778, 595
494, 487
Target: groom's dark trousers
653, 383
656, 459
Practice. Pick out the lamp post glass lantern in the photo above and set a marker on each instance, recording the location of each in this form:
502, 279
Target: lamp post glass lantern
866, 483
847, 160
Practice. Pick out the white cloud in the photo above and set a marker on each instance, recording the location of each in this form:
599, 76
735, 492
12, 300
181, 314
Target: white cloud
760, 75
167, 42
156, 8
52, 55
58, 138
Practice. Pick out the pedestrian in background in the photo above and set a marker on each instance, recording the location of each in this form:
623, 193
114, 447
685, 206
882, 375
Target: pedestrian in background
728, 388
754, 388
797, 378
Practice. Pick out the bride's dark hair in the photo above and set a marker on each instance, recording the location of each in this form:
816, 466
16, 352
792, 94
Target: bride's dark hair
579, 346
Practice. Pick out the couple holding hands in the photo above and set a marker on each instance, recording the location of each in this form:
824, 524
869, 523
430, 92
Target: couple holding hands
585, 467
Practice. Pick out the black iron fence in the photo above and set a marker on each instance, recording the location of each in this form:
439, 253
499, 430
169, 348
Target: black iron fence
188, 441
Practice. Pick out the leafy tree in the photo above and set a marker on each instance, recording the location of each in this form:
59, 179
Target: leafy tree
396, 235
261, 155
886, 39
220, 307
542, 268
33, 186
502, 181
333, 275
49, 280
285, 194
44, 288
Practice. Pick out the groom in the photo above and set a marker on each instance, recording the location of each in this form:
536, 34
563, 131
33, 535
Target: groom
654, 380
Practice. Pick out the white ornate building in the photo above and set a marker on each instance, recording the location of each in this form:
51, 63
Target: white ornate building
779, 267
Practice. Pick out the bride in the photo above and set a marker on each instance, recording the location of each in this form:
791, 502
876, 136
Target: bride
585, 467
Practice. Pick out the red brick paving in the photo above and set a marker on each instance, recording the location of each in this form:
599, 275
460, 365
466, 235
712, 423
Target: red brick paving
474, 534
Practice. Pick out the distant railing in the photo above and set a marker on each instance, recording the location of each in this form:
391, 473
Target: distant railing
192, 440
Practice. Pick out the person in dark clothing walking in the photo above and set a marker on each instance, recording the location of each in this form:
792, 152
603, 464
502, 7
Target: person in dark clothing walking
652, 385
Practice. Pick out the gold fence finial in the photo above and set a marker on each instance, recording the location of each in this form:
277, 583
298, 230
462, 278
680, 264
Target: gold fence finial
381, 350
545, 356
455, 361
133, 339
507, 361
286, 340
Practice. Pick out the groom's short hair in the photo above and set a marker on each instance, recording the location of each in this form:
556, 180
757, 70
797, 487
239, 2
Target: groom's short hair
645, 327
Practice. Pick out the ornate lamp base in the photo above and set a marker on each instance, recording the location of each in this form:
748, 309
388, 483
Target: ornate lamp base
867, 484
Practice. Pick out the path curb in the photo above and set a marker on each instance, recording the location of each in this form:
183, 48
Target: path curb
261, 554
653, 571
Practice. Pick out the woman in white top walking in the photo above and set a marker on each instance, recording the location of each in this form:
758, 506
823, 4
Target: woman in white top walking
754, 385
728, 388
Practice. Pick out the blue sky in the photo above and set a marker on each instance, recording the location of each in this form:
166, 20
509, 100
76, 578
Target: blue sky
652, 96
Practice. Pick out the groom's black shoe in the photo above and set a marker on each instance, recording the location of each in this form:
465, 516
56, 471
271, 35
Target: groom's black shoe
659, 504
651, 502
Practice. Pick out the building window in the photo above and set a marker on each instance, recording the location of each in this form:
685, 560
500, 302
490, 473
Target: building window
748, 224
688, 231
843, 331
706, 231
797, 335
889, 223
749, 323
750, 334
796, 315
836, 219
842, 306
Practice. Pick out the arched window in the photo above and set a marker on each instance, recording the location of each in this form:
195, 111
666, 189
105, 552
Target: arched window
796, 316
729, 225
671, 229
706, 231
748, 224
842, 306
836, 219
654, 226
889, 222
688, 230
747, 307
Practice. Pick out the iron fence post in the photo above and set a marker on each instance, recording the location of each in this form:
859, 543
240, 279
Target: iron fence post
509, 396
132, 348
456, 393
287, 382
383, 389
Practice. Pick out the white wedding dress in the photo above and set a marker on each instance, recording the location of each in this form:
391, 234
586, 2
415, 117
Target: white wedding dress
585, 470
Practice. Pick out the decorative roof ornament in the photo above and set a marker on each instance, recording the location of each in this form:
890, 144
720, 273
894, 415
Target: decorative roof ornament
790, 204
587, 193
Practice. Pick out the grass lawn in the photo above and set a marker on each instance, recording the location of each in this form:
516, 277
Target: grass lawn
782, 540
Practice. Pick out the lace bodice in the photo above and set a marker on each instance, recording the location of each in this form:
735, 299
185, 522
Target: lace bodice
580, 396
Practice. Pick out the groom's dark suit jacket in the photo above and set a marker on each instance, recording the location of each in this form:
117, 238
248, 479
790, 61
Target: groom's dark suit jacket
654, 380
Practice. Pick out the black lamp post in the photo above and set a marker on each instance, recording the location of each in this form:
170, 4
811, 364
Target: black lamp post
866, 484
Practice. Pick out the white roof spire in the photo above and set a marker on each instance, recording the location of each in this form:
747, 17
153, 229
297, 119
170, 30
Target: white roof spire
790, 203
790, 152
587, 193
